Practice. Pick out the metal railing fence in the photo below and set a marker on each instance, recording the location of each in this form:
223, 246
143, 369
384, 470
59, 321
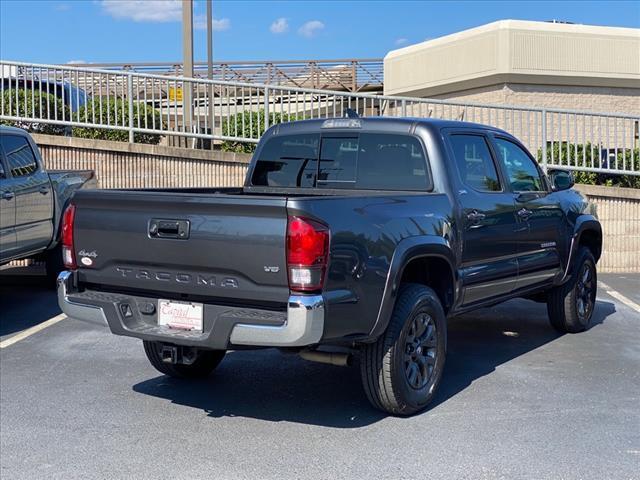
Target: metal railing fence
138, 105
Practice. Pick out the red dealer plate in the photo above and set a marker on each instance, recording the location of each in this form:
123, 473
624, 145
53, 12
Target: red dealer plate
180, 315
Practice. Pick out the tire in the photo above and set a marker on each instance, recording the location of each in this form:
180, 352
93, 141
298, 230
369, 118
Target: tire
53, 265
206, 361
570, 306
396, 375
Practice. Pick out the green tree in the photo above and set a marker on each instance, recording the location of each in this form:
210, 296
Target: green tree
249, 124
115, 111
33, 104
565, 153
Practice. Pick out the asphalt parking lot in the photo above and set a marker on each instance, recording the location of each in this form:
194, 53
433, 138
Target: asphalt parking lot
517, 401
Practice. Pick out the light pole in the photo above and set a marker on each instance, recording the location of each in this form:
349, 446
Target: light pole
210, 65
187, 64
210, 39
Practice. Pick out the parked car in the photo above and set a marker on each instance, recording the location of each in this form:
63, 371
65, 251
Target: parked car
32, 201
349, 236
70, 95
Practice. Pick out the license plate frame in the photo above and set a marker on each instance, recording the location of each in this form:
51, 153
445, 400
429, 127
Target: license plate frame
177, 315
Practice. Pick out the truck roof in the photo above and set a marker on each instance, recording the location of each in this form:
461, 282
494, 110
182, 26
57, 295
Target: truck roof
14, 130
378, 124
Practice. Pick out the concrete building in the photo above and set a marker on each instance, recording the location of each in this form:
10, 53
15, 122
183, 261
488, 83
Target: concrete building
514, 62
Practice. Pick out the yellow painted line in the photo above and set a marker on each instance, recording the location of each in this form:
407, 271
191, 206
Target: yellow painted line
618, 296
31, 331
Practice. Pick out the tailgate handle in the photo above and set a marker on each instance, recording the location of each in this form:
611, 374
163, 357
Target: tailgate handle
161, 228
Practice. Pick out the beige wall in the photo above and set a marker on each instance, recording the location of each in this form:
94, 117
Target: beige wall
124, 165
120, 165
619, 213
512, 51
598, 99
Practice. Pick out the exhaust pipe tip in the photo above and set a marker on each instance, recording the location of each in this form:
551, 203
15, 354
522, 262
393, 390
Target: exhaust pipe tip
330, 358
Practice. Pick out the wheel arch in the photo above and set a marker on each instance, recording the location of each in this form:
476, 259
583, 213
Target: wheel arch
588, 233
414, 260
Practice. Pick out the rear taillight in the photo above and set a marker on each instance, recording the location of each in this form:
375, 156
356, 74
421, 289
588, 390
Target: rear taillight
307, 254
68, 253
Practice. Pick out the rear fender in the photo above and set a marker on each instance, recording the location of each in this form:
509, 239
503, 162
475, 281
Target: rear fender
407, 250
65, 184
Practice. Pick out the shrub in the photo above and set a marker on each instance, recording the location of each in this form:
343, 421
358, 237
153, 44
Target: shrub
565, 153
117, 111
34, 104
249, 124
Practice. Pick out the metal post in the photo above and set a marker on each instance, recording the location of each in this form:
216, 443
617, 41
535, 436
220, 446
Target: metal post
210, 64
187, 63
130, 103
354, 76
544, 140
209, 39
266, 108
404, 107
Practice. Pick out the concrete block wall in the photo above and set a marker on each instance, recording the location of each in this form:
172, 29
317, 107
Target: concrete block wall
570, 97
122, 165
619, 213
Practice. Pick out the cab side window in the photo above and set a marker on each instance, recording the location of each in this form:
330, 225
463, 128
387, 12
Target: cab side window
522, 173
20, 158
474, 162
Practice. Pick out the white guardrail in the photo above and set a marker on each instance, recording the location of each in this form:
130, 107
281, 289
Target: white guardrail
138, 104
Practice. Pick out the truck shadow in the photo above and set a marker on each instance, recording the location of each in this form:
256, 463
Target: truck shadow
25, 301
275, 387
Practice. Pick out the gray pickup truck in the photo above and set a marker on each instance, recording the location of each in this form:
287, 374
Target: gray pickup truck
32, 201
350, 237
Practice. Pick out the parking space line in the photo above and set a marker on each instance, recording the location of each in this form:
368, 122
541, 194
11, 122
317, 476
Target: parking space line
30, 331
618, 296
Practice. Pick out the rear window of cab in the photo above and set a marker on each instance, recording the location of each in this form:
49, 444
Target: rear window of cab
365, 161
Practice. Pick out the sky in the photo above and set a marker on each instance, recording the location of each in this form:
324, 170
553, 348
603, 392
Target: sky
98, 31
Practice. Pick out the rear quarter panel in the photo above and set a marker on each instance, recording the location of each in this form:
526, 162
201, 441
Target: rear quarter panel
65, 184
365, 232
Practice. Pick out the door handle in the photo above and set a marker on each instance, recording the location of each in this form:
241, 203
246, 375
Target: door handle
44, 190
475, 216
524, 213
8, 195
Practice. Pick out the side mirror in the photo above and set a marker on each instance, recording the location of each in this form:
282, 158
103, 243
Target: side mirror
560, 179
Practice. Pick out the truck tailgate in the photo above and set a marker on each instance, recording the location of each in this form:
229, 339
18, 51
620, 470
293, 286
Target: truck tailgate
183, 245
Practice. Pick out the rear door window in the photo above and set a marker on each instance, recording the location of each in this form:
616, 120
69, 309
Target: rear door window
368, 161
474, 161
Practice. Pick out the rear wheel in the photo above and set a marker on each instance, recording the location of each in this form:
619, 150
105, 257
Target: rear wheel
202, 362
570, 306
402, 370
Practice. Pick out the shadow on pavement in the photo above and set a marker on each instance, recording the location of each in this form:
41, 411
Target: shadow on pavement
272, 386
481, 341
25, 301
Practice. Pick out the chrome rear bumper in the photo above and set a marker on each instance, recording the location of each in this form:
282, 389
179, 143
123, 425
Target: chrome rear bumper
301, 325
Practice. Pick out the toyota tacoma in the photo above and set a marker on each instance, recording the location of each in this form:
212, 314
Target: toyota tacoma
32, 201
350, 237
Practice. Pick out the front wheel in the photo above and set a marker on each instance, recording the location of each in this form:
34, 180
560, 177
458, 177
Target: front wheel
570, 306
202, 365
402, 369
